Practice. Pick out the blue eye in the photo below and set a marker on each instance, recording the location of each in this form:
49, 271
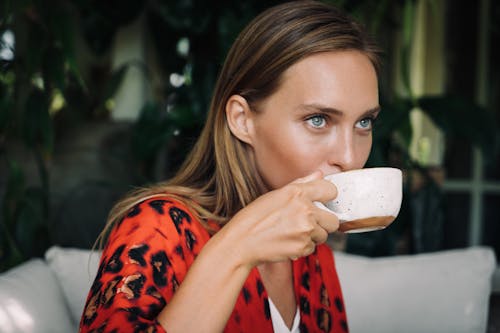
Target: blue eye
317, 121
365, 124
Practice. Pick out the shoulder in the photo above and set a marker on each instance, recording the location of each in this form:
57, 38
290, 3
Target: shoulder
161, 220
160, 209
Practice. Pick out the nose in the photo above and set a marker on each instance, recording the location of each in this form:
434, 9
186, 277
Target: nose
342, 153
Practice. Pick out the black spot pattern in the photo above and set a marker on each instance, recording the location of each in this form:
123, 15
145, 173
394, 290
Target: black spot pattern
267, 310
179, 251
323, 294
153, 292
144, 328
97, 284
324, 320
137, 254
237, 317
100, 270
153, 310
90, 313
246, 295
135, 283
120, 221
152, 271
343, 323
338, 304
190, 240
115, 264
318, 267
175, 283
134, 211
134, 313
305, 281
178, 216
260, 287
304, 305
159, 263
109, 292
101, 329
157, 205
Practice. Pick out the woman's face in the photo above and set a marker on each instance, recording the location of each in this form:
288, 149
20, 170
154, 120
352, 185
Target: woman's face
321, 117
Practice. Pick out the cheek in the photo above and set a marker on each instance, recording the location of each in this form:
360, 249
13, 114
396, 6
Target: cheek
363, 147
285, 156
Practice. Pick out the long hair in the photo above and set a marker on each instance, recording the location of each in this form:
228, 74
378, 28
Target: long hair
219, 176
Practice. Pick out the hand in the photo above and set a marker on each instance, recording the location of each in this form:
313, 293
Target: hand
284, 223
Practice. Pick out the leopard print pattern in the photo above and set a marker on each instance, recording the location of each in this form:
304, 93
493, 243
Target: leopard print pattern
148, 254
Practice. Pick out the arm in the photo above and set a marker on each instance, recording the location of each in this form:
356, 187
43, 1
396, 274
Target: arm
275, 227
207, 295
151, 254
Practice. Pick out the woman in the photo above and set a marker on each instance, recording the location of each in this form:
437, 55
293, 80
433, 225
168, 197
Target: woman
234, 241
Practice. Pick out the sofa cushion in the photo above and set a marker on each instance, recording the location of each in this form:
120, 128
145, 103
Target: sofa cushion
75, 269
32, 301
437, 292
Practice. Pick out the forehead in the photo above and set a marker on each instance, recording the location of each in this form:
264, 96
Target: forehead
342, 79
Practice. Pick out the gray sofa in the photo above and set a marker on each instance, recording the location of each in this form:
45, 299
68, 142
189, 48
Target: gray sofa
437, 292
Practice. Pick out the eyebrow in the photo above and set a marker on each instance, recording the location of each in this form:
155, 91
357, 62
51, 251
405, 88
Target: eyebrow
327, 109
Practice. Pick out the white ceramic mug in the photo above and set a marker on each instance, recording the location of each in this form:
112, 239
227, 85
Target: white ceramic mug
368, 199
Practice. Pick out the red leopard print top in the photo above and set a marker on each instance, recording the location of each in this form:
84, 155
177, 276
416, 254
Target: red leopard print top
148, 255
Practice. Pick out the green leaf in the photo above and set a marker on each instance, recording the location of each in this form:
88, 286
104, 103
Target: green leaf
10, 255
405, 69
185, 15
37, 124
13, 193
37, 42
405, 132
393, 116
408, 21
408, 29
393, 119
114, 83
6, 9
6, 106
62, 26
31, 226
464, 119
378, 17
182, 116
54, 63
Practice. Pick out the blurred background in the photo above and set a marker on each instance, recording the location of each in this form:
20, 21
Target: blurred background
100, 96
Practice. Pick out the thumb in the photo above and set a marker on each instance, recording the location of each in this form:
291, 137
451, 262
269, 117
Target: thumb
318, 174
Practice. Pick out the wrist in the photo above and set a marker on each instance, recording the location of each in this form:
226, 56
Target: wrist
225, 244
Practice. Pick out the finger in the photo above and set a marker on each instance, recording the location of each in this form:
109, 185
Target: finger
318, 174
327, 220
316, 190
308, 249
319, 235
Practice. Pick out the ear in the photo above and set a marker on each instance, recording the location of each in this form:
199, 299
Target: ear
239, 118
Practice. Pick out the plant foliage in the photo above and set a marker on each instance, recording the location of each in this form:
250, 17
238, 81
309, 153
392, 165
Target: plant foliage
46, 93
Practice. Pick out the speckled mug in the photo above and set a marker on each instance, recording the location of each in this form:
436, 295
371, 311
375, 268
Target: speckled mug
368, 199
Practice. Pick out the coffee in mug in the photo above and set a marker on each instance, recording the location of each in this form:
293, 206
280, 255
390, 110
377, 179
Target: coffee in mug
367, 199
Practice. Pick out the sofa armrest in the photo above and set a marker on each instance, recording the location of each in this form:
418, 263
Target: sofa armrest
75, 270
445, 291
31, 301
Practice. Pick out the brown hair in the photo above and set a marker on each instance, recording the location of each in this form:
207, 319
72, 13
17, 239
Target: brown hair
219, 177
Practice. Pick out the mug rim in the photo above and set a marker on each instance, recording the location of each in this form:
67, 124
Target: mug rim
390, 169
